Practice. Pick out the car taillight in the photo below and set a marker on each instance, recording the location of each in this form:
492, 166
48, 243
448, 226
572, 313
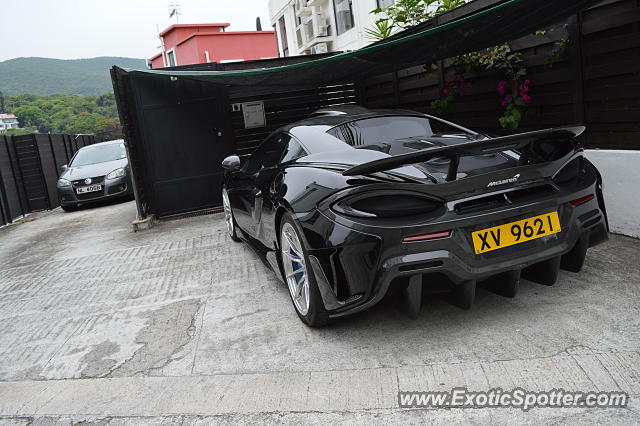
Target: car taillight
387, 205
581, 200
571, 171
426, 237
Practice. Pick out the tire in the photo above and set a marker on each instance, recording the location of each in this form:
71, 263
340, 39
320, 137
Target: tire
232, 228
69, 208
303, 287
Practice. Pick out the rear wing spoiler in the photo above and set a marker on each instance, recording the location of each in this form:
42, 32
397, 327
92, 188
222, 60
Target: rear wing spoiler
518, 142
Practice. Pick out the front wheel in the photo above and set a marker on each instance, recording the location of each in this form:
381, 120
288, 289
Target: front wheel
299, 276
228, 216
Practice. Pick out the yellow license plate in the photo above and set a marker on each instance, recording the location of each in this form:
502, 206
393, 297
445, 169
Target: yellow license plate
515, 232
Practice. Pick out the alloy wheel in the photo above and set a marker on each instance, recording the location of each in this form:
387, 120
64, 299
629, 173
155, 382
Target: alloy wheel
228, 216
295, 269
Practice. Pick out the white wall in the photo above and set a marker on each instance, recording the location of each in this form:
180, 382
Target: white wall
278, 8
353, 39
356, 37
621, 175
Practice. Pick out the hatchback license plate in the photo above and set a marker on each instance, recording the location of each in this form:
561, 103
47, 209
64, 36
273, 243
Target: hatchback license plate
92, 188
515, 232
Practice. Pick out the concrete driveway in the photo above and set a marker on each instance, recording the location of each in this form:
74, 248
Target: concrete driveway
180, 325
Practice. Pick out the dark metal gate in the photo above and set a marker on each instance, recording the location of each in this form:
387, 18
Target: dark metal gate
33, 179
29, 170
186, 133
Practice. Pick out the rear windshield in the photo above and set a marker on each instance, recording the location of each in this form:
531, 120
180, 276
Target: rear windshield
380, 130
99, 154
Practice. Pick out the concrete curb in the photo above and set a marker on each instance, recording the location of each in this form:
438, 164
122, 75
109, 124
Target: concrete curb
144, 224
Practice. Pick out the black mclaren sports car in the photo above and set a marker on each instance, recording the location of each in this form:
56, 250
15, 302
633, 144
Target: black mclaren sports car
352, 204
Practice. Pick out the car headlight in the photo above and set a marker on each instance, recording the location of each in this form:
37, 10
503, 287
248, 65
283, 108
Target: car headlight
116, 174
63, 183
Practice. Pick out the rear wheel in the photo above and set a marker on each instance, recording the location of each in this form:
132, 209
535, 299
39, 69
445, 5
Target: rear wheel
299, 276
228, 216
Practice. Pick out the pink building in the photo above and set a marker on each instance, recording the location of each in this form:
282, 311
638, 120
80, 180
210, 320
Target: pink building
186, 44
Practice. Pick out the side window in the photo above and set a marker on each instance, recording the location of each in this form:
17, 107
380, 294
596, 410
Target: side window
344, 15
294, 150
268, 153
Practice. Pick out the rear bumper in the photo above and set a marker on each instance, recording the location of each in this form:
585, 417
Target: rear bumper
112, 188
356, 266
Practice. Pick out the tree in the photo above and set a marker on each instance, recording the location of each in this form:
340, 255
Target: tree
30, 116
65, 113
17, 132
405, 14
1, 102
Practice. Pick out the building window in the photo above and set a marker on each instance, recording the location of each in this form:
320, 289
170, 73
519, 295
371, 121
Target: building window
171, 58
283, 37
383, 4
344, 15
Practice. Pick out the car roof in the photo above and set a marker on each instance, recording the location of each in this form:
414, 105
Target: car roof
335, 116
113, 142
312, 131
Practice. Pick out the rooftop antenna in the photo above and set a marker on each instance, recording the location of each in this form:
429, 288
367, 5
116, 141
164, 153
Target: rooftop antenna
174, 10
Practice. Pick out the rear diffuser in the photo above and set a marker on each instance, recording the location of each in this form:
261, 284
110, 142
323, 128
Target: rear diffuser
505, 284
545, 273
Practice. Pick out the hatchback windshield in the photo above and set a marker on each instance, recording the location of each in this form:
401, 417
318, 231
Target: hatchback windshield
99, 154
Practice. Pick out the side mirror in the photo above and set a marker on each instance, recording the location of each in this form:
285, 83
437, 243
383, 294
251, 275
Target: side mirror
231, 163
63, 168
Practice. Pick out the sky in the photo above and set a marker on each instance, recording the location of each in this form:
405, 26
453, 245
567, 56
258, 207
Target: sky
71, 29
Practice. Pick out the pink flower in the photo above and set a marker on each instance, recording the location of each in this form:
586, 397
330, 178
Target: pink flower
507, 98
445, 92
526, 99
527, 82
523, 91
504, 103
502, 83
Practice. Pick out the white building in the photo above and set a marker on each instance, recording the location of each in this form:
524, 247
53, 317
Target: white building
8, 121
319, 26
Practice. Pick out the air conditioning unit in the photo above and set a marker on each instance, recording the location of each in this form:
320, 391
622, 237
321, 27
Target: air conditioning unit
319, 48
320, 27
301, 8
323, 31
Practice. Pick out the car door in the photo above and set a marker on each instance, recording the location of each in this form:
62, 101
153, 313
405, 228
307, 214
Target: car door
268, 182
252, 179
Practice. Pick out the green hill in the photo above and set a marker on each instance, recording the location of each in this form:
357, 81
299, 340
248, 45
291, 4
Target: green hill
46, 76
